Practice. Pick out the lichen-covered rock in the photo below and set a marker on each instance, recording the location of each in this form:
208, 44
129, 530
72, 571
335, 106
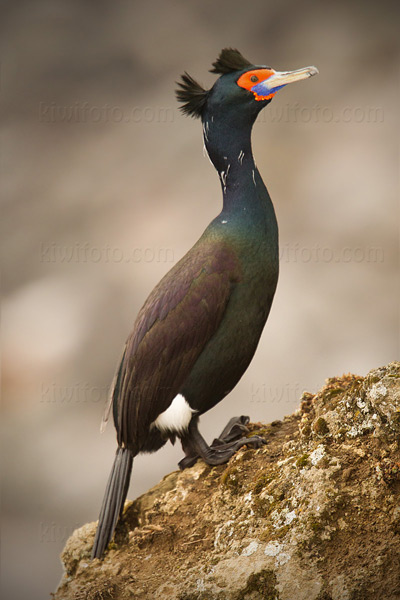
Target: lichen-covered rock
313, 515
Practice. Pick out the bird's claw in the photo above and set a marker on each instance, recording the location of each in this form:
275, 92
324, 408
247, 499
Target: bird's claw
230, 440
256, 441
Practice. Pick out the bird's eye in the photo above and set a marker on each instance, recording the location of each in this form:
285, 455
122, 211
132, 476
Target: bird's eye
254, 78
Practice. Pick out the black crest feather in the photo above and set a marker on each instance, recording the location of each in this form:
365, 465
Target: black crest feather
192, 95
228, 61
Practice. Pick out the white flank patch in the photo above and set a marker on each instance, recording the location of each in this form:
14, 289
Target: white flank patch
177, 416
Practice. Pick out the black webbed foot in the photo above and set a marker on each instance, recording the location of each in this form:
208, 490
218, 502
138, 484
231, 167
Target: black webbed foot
234, 430
222, 448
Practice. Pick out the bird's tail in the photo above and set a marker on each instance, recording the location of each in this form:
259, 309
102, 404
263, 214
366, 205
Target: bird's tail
114, 499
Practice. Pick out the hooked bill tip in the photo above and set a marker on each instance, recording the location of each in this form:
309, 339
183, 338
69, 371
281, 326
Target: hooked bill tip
312, 71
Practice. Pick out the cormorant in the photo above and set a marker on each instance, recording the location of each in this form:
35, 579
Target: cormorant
199, 329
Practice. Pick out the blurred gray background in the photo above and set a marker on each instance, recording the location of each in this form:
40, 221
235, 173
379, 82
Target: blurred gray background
106, 187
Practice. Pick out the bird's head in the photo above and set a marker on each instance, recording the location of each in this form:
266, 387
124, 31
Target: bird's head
242, 88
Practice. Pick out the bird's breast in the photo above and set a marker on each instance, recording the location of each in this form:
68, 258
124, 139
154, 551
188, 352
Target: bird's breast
229, 352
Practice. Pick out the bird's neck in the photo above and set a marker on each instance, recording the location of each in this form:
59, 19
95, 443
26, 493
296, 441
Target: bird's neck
229, 149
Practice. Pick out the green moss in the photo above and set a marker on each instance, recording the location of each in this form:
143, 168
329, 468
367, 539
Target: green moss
282, 532
342, 433
316, 526
262, 481
302, 461
261, 432
372, 379
321, 427
262, 506
230, 479
265, 535
307, 398
263, 584
246, 455
306, 430
332, 393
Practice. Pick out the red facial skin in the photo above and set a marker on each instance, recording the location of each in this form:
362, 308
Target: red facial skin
245, 81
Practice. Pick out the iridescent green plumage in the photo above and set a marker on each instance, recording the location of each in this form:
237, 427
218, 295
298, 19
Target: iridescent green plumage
199, 328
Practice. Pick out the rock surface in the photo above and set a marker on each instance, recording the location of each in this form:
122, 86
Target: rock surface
313, 515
